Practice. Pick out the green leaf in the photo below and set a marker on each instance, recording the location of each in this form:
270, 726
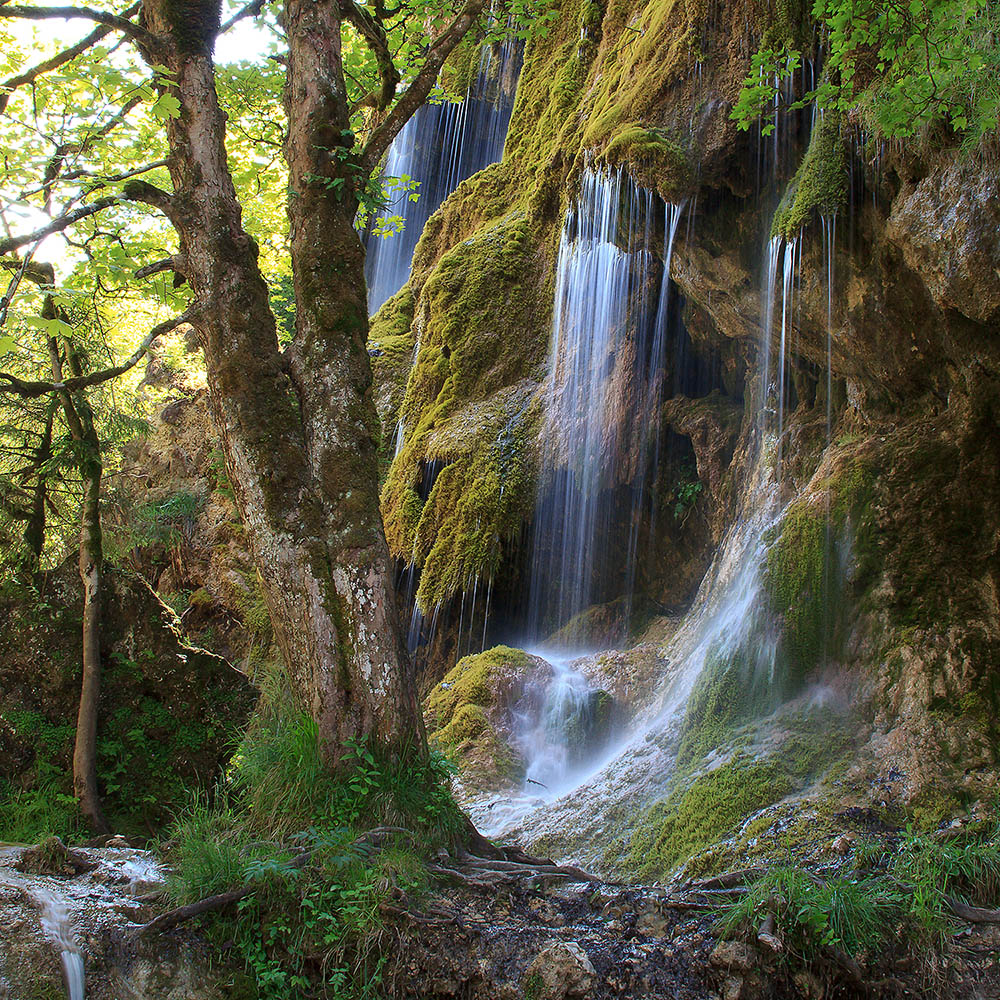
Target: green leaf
166, 106
50, 327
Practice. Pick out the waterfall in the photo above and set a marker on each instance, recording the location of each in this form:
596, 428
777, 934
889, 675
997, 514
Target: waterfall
610, 326
55, 922
728, 624
439, 147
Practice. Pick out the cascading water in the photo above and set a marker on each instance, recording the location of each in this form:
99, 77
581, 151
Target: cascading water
440, 146
56, 923
728, 621
609, 336
610, 324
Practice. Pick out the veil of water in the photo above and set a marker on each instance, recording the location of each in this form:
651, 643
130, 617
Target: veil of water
439, 147
610, 325
728, 617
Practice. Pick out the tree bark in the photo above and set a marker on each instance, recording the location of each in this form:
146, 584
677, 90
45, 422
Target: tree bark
297, 430
34, 530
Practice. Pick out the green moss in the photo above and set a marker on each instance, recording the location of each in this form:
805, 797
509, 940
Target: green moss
711, 807
469, 683
467, 406
820, 183
734, 687
803, 574
652, 159
456, 713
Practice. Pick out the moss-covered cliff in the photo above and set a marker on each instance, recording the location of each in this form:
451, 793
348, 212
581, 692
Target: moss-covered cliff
884, 567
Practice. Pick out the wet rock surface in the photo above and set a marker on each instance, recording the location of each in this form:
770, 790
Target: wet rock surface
89, 918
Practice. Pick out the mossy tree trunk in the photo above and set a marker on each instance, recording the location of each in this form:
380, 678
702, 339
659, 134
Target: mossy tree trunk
34, 528
298, 428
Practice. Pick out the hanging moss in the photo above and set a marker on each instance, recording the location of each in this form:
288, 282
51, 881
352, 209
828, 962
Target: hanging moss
820, 183
652, 159
485, 308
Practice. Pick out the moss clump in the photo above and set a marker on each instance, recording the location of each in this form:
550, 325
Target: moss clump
467, 411
820, 183
693, 817
804, 575
734, 687
652, 159
474, 680
458, 714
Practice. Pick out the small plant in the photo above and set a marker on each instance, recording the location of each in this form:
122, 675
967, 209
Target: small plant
904, 893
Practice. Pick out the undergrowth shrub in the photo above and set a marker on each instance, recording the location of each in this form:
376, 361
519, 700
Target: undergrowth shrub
898, 892
322, 851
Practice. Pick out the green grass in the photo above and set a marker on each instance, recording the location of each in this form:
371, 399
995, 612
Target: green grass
285, 824
898, 892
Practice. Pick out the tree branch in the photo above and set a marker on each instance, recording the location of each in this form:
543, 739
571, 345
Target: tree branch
150, 194
32, 390
60, 59
174, 263
418, 90
374, 35
114, 22
252, 9
57, 225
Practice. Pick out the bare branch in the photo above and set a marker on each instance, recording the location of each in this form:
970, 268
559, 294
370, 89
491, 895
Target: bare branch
57, 225
174, 263
32, 390
252, 9
418, 90
149, 194
60, 59
113, 22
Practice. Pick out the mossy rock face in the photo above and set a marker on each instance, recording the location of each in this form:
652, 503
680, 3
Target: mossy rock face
468, 410
820, 183
715, 798
808, 563
652, 159
470, 715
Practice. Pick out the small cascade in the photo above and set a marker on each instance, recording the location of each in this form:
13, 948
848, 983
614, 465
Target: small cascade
59, 930
775, 385
728, 624
550, 739
611, 322
439, 147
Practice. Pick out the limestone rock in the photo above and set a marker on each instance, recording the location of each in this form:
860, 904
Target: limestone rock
564, 971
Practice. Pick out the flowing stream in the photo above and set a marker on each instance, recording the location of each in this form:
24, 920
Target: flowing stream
58, 928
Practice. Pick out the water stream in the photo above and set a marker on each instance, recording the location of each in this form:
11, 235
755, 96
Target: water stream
56, 923
439, 147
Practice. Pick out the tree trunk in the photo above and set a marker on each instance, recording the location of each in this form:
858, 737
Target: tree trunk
34, 530
80, 420
297, 429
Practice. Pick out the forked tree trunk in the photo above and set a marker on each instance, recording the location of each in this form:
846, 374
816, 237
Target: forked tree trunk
297, 428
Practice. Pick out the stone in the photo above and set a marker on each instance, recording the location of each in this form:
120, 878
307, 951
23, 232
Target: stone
732, 988
564, 971
842, 845
733, 955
